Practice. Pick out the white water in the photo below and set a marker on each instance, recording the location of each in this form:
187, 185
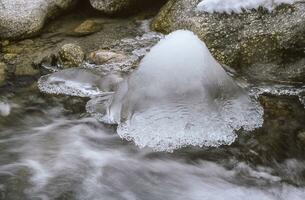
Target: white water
5, 109
238, 6
84, 157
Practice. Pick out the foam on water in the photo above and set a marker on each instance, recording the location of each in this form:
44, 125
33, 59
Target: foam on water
238, 6
180, 96
5, 109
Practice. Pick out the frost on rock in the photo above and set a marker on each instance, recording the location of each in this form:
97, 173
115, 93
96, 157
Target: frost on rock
238, 6
79, 82
279, 90
179, 96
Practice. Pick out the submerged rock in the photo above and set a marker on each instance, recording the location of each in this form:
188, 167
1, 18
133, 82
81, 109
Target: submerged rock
3, 69
103, 56
24, 18
239, 39
86, 28
71, 55
180, 96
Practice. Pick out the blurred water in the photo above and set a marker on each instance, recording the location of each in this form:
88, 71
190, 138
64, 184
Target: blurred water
49, 151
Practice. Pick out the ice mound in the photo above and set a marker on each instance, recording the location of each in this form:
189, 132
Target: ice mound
180, 96
238, 6
79, 82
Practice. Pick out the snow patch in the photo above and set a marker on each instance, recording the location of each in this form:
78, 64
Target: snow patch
238, 6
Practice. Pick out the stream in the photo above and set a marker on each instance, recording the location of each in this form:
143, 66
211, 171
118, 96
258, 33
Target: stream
51, 147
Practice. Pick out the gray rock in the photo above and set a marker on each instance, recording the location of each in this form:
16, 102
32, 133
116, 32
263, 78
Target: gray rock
24, 18
112, 6
115, 7
239, 39
71, 55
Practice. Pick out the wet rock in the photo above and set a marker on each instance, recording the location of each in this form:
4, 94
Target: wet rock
46, 63
24, 18
280, 137
71, 55
112, 6
239, 39
293, 72
100, 57
25, 70
19, 57
86, 28
3, 69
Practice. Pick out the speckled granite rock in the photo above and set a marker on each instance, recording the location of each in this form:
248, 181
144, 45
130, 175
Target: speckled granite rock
24, 18
71, 55
115, 7
112, 6
239, 39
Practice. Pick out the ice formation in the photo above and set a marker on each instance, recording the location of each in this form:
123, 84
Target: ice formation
79, 82
237, 6
180, 96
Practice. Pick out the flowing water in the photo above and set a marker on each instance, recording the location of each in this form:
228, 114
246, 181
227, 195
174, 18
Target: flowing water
52, 148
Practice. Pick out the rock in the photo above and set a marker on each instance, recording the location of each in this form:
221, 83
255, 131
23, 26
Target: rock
25, 70
239, 39
46, 63
71, 55
3, 69
9, 57
100, 57
115, 7
293, 72
86, 28
24, 18
5, 43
